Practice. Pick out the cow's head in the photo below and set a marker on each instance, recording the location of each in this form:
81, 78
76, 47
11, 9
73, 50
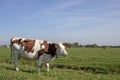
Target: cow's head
53, 49
61, 50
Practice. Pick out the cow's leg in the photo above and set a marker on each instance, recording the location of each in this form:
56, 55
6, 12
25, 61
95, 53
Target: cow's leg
47, 66
39, 62
16, 61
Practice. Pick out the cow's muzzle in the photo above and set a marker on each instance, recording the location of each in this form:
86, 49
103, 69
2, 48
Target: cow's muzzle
65, 54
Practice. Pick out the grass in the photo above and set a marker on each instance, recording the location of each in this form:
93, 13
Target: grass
80, 64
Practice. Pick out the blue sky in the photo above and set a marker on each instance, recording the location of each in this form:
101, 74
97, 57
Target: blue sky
83, 21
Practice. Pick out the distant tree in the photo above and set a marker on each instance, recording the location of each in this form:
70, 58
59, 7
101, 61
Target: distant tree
95, 45
91, 45
67, 44
75, 44
81, 46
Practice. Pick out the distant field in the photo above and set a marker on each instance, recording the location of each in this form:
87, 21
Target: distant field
80, 64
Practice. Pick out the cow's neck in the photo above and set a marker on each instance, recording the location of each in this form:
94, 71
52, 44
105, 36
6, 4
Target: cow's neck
52, 50
49, 49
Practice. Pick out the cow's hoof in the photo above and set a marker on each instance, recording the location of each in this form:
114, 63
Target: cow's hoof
17, 69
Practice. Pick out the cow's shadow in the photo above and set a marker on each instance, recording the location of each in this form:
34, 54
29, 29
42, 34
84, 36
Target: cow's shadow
23, 70
33, 71
8, 68
94, 70
28, 71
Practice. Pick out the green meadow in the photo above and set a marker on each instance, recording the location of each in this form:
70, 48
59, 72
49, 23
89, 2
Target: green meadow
80, 64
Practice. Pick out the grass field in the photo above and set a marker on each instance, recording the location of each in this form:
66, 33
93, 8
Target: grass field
80, 64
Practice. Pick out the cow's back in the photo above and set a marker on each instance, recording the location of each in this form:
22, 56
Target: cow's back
27, 48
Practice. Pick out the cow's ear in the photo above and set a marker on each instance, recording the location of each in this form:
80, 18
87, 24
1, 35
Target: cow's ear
65, 45
56, 45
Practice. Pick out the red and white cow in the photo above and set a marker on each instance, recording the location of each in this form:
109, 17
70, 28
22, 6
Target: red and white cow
34, 49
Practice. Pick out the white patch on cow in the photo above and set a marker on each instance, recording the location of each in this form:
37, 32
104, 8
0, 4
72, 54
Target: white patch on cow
42, 47
16, 46
15, 38
47, 65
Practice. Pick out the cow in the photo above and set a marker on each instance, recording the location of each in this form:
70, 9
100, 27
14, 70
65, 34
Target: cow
35, 49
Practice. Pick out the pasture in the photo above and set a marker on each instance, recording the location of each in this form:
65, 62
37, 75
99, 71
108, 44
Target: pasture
80, 64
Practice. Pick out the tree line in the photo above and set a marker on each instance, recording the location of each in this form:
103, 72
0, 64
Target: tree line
77, 45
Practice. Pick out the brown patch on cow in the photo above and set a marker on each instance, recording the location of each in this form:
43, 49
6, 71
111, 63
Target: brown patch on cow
56, 45
32, 51
40, 52
28, 45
